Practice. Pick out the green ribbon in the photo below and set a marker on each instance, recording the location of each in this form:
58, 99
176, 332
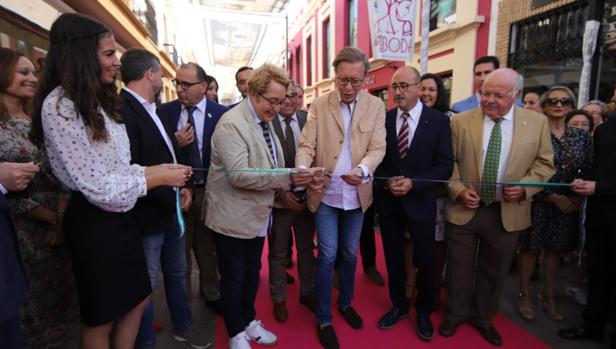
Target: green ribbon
445, 181
178, 212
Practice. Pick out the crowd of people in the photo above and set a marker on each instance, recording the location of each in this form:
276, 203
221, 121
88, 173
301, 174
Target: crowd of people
102, 191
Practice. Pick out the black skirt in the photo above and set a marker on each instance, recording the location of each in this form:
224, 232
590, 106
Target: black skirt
108, 261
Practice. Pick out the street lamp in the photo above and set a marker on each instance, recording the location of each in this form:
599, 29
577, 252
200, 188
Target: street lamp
174, 54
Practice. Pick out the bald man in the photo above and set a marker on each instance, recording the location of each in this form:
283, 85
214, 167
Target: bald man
418, 146
499, 142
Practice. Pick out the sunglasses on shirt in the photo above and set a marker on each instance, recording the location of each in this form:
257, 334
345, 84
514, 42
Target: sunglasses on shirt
563, 101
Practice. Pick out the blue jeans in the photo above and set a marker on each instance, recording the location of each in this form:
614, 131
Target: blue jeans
335, 227
166, 249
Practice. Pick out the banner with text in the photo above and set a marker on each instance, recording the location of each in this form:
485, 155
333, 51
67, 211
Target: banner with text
392, 28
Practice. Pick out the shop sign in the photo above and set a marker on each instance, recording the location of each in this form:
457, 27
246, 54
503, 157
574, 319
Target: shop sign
392, 24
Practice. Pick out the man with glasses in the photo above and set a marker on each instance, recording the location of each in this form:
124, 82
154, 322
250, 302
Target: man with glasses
345, 134
192, 118
418, 146
290, 217
497, 143
241, 188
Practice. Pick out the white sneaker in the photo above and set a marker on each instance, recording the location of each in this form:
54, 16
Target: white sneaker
240, 341
578, 295
257, 333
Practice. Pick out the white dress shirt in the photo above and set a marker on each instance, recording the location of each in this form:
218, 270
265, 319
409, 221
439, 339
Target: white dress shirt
268, 223
151, 109
3, 190
413, 120
294, 126
506, 137
338, 193
199, 116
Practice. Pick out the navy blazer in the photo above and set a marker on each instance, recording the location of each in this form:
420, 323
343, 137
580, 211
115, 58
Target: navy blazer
156, 211
13, 289
169, 113
430, 156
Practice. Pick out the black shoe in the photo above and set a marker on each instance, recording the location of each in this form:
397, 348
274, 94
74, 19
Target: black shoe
424, 327
290, 279
581, 332
490, 334
327, 337
448, 328
391, 318
309, 301
351, 317
215, 306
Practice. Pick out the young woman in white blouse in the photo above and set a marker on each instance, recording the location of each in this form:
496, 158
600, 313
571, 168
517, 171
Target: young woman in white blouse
75, 117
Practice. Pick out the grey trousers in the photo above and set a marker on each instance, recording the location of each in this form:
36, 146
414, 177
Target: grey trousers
302, 223
200, 241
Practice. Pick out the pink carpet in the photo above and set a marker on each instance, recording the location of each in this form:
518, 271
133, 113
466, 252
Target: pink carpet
371, 302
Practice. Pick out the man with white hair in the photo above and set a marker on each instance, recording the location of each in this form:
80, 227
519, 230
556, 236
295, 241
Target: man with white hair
497, 143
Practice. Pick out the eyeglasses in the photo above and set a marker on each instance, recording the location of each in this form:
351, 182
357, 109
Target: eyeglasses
184, 84
403, 86
275, 103
291, 95
563, 101
345, 81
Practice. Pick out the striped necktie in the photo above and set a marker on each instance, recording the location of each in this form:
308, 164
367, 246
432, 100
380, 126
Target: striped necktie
268, 138
403, 136
490, 165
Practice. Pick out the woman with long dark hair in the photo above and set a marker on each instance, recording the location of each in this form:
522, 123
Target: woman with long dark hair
433, 93
51, 309
212, 88
75, 117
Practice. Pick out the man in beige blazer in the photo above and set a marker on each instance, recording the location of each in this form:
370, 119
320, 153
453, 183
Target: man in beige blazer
498, 142
345, 134
238, 204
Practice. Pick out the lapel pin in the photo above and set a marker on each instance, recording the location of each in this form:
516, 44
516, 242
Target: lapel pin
209, 115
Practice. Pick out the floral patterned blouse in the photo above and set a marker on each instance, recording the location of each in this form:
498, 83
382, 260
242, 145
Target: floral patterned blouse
52, 308
100, 170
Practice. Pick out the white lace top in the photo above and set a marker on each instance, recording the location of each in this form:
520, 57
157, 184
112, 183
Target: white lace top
100, 170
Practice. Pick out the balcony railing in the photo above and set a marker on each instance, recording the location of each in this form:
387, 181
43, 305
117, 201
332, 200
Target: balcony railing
552, 36
146, 14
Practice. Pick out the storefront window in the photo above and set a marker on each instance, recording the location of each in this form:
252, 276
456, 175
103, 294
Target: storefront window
442, 12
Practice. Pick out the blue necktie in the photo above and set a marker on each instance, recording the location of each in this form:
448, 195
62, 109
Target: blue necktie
194, 155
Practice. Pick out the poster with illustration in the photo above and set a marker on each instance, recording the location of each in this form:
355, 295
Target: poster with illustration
392, 28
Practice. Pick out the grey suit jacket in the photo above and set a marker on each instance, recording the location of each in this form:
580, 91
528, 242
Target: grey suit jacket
238, 204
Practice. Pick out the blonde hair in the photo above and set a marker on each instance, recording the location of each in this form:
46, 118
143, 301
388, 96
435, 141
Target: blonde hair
262, 76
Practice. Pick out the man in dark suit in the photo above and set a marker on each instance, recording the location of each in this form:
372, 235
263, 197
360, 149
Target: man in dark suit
13, 288
157, 213
601, 192
418, 146
192, 119
290, 212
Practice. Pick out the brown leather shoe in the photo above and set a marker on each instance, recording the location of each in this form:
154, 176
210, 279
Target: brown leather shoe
280, 312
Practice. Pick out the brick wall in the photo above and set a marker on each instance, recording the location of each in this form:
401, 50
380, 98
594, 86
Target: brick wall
512, 11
